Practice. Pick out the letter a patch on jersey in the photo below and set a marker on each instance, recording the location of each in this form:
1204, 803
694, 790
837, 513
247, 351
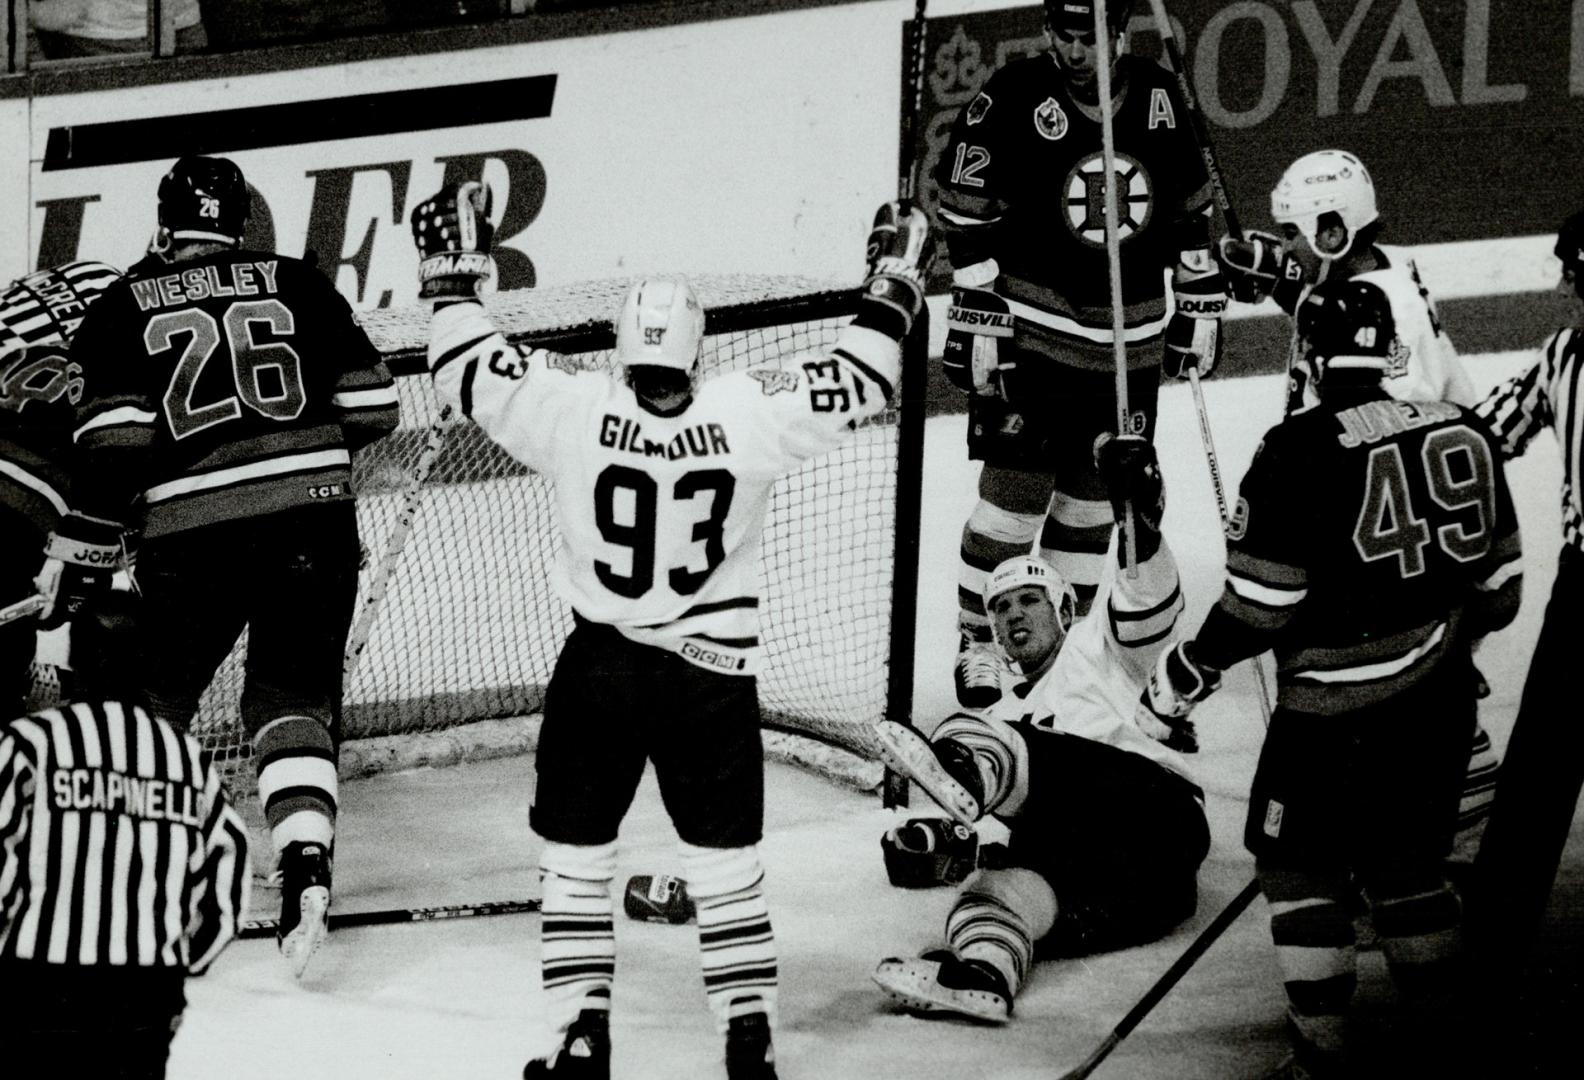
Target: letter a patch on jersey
977, 108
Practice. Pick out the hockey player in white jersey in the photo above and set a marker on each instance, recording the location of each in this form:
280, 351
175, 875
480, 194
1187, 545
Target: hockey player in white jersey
1107, 826
1326, 208
661, 489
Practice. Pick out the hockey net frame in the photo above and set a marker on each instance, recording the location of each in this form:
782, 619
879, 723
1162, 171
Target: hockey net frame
749, 319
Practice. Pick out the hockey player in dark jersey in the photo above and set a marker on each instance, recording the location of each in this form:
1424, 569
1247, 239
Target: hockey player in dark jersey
1030, 330
223, 398
1374, 541
1107, 825
39, 389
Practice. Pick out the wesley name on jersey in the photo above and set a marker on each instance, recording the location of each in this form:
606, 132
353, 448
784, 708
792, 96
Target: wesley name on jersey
678, 502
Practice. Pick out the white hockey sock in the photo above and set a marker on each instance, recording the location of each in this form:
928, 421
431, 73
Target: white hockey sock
1075, 539
577, 950
296, 763
736, 944
999, 752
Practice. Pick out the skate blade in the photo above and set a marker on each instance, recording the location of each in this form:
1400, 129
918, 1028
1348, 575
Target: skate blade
310, 932
905, 751
914, 984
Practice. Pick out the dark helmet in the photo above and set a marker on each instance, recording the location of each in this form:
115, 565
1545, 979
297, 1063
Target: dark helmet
1079, 15
204, 198
1347, 325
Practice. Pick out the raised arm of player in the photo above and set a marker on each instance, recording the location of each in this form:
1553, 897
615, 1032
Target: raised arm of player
813, 404
512, 393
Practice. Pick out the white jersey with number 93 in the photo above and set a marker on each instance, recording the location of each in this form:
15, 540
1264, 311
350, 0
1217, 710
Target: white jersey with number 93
661, 516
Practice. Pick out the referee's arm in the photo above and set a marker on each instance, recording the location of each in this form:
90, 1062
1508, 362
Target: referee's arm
17, 778
224, 878
1518, 409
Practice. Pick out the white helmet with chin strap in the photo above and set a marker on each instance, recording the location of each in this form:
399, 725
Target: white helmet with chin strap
1021, 570
661, 325
1325, 182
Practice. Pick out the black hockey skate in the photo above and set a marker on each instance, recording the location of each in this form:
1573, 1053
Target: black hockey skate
941, 983
977, 674
305, 903
749, 1054
585, 1053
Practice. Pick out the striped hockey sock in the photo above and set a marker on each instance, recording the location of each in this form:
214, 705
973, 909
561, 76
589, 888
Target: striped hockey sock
736, 943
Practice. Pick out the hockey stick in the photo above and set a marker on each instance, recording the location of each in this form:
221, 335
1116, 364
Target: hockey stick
1196, 120
1152, 997
358, 638
1226, 517
912, 106
263, 928
1114, 257
30, 605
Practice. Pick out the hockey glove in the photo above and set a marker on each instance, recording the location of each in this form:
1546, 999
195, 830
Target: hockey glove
1175, 687
924, 852
898, 256
658, 898
975, 324
1257, 267
80, 557
1131, 472
453, 235
1193, 334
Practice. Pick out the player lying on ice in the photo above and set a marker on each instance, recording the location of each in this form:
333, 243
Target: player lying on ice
1107, 828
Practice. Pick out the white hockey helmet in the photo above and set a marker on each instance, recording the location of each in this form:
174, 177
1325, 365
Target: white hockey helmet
1021, 570
661, 325
1325, 182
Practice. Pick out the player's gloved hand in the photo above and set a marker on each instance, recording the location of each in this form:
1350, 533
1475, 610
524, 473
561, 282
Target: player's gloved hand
976, 322
898, 255
1131, 472
80, 558
1177, 684
453, 234
1252, 263
658, 898
924, 852
1193, 333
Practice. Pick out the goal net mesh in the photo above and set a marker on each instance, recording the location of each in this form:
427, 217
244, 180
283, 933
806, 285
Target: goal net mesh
469, 627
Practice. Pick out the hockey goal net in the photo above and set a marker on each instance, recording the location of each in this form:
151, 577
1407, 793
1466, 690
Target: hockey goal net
463, 644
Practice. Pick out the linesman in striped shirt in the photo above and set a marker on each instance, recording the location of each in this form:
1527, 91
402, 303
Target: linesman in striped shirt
39, 390
123, 868
224, 394
1544, 770
1373, 543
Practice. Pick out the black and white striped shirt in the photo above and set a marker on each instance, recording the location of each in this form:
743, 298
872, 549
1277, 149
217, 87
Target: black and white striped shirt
1547, 395
118, 845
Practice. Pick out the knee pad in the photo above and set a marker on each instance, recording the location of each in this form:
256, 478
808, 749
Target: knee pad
1021, 891
579, 862
720, 871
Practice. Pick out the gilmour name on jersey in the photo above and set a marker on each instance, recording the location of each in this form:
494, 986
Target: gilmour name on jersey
202, 282
696, 440
134, 796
